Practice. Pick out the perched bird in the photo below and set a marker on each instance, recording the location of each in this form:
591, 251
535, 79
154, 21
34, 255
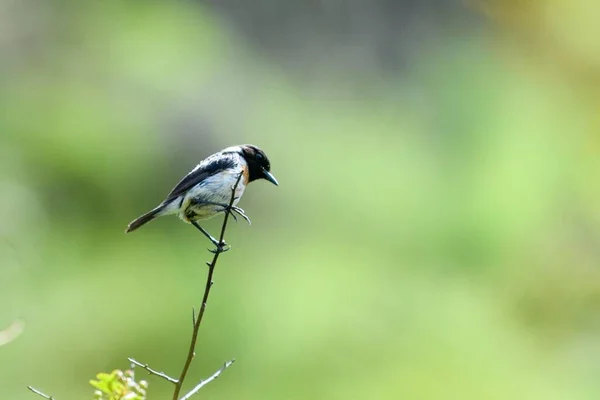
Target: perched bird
206, 190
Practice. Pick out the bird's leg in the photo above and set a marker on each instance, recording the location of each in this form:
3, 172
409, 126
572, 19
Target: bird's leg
221, 247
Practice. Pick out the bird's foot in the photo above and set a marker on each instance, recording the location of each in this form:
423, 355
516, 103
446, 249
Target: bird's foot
220, 247
240, 212
231, 209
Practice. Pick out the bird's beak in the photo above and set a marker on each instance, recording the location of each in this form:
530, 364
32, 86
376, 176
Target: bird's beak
269, 176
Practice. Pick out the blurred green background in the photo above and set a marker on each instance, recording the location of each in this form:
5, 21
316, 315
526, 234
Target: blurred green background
435, 234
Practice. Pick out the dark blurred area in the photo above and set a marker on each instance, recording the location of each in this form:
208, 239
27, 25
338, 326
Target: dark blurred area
356, 36
434, 235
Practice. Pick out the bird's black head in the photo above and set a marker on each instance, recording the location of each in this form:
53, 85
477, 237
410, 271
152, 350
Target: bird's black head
258, 164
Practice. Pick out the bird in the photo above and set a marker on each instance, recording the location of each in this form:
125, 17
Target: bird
207, 189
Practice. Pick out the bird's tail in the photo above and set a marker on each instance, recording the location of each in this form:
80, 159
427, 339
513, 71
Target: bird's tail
149, 216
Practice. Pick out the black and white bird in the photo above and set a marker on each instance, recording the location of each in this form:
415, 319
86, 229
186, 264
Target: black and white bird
206, 190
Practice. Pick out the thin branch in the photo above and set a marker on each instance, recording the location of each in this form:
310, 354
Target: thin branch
153, 372
34, 390
208, 380
198, 320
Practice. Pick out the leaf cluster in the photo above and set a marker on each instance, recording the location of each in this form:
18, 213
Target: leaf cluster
119, 385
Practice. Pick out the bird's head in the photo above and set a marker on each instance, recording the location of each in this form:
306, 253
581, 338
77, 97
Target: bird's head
258, 164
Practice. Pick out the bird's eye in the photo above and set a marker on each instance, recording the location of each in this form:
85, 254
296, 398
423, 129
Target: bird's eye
259, 156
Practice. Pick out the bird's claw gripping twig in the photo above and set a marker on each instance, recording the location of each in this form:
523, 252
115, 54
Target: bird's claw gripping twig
238, 210
220, 248
226, 208
234, 209
241, 213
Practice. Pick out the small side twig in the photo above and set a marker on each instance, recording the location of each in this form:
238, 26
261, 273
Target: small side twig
207, 380
209, 283
34, 390
151, 371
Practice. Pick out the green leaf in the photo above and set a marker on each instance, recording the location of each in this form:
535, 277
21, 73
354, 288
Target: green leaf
100, 385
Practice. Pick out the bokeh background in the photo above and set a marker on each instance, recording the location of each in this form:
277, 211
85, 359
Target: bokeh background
435, 234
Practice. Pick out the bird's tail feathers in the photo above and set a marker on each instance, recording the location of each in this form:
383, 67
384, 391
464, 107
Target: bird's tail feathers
144, 219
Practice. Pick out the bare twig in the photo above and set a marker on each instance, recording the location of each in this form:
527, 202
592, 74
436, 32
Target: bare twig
207, 380
34, 390
151, 371
209, 282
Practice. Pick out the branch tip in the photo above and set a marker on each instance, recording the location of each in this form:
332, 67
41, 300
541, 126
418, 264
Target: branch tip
208, 380
34, 390
152, 372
